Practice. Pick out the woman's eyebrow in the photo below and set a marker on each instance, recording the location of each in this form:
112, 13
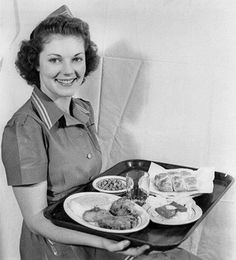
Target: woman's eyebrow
58, 55
79, 53
54, 54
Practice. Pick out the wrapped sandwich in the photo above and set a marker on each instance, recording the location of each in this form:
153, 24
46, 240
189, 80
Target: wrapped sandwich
176, 181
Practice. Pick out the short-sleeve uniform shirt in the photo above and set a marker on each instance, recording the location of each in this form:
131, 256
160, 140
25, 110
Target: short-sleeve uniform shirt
41, 142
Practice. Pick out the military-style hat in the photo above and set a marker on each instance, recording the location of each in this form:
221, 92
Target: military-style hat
61, 10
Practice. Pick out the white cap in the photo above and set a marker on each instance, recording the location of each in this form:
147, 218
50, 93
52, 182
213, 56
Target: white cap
63, 10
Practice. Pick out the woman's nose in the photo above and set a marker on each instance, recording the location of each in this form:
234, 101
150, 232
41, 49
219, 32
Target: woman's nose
67, 68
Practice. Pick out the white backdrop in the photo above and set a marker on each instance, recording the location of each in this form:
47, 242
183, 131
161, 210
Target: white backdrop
165, 91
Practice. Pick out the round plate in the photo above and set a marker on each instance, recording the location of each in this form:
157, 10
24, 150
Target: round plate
98, 180
192, 215
76, 204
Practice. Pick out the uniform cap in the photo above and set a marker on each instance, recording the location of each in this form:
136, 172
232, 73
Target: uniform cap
63, 10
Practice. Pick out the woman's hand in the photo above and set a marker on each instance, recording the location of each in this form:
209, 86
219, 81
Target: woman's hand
121, 247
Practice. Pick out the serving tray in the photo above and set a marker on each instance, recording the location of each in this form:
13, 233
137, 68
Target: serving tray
158, 237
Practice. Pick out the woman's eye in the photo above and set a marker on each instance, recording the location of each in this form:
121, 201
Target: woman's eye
54, 60
78, 59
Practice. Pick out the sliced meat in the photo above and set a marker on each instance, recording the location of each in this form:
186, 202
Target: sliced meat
95, 214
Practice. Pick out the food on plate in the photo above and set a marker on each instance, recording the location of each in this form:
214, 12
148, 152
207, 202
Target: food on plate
166, 211
163, 182
111, 184
176, 181
122, 207
170, 210
175, 211
118, 222
95, 214
120, 216
179, 207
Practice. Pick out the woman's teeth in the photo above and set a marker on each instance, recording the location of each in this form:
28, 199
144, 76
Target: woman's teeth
66, 82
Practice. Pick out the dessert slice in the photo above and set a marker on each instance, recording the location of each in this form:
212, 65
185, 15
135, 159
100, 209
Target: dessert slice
167, 211
170, 210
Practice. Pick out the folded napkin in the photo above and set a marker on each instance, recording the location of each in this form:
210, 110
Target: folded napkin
203, 175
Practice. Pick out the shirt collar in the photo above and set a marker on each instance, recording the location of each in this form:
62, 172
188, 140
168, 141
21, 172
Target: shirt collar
50, 113
79, 111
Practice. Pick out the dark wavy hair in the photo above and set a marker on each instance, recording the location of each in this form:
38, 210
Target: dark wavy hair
27, 59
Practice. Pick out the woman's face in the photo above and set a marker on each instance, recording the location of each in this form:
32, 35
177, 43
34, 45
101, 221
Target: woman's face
62, 66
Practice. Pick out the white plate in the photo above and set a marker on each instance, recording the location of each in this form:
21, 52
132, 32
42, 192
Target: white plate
76, 204
113, 177
194, 212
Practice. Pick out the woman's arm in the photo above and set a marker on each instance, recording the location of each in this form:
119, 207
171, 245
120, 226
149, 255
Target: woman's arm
32, 200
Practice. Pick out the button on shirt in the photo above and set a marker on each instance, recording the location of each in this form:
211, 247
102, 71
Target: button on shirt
41, 142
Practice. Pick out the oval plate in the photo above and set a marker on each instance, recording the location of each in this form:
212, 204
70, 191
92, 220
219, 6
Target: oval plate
76, 204
193, 215
112, 177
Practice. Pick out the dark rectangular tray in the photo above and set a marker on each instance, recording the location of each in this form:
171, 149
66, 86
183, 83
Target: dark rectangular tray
159, 237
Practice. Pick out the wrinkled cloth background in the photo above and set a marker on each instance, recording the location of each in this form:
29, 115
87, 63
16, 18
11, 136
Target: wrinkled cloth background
165, 91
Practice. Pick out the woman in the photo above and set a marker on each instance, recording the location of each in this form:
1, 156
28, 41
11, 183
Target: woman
49, 146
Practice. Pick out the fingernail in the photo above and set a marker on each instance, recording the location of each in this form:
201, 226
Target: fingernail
126, 242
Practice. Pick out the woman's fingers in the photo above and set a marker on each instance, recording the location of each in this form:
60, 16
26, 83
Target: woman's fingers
114, 246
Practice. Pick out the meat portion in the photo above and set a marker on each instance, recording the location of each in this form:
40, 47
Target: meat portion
95, 214
123, 207
121, 215
118, 222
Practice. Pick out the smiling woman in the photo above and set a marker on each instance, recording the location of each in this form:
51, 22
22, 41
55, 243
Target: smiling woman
49, 146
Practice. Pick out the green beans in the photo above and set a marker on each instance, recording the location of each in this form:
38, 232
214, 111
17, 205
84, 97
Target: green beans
111, 184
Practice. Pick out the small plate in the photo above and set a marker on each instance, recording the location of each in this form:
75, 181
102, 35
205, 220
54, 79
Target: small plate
194, 212
114, 179
76, 204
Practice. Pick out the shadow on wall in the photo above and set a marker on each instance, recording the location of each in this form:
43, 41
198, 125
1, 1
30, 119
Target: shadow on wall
123, 98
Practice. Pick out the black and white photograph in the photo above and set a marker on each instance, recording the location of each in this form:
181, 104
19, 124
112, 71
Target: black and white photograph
117, 129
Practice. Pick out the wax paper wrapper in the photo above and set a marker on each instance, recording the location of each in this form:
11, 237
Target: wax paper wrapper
204, 181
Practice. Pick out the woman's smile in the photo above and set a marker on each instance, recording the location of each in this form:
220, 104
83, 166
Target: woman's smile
66, 82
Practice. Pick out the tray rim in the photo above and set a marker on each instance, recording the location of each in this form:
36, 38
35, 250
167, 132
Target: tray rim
134, 240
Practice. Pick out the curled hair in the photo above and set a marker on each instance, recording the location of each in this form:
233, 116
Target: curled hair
28, 56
